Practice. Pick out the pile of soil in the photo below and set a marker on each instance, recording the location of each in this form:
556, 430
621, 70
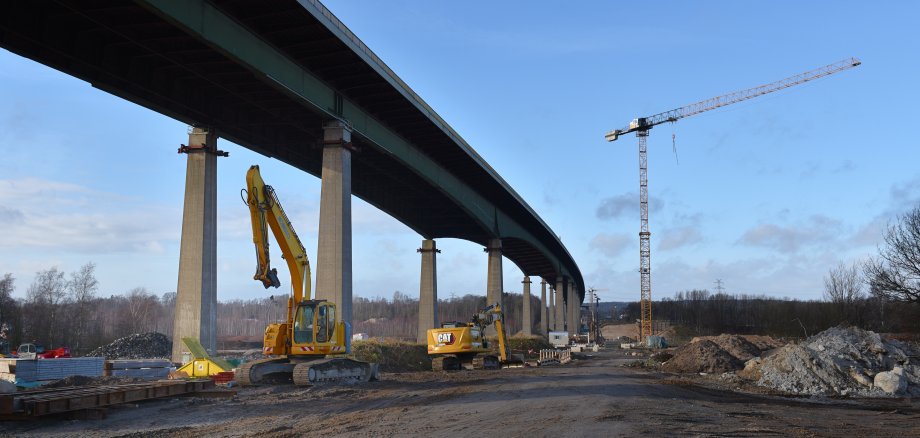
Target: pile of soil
701, 357
840, 361
150, 345
85, 380
718, 354
738, 346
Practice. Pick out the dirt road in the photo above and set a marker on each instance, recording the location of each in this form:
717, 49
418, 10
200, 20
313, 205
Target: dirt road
594, 397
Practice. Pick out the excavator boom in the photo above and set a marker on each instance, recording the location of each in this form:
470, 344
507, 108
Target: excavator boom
266, 212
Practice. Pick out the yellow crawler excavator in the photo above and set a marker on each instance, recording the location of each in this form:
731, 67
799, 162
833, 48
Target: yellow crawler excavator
309, 347
463, 345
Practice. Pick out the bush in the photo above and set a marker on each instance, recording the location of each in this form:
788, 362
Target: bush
392, 355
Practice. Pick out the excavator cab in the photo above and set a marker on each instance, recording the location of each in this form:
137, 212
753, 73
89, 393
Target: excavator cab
314, 322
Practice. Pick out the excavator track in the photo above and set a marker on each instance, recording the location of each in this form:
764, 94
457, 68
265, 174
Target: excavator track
264, 371
446, 363
330, 370
486, 362
283, 371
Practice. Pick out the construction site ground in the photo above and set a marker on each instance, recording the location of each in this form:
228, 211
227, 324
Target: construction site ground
595, 396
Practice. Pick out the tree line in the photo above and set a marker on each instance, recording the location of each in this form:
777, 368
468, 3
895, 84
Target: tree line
701, 313
881, 294
61, 309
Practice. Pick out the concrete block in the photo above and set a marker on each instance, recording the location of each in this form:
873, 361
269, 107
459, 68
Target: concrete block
891, 382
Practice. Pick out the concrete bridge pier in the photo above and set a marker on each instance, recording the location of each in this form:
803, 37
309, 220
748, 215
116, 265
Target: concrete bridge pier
333, 256
551, 311
574, 316
526, 318
494, 281
543, 325
560, 304
196, 292
428, 290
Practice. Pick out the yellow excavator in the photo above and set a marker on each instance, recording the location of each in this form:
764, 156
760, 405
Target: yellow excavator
463, 345
309, 347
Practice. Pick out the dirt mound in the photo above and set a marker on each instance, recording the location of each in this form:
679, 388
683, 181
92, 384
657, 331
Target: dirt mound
840, 361
150, 345
764, 343
704, 356
85, 380
738, 346
393, 356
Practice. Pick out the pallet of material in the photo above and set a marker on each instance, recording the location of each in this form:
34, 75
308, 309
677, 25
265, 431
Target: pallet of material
47, 401
143, 368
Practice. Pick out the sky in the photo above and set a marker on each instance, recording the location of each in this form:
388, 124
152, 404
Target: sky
766, 195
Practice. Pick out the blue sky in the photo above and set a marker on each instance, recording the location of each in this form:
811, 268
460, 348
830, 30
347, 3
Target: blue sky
766, 195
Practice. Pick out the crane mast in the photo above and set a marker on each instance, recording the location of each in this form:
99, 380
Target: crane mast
641, 127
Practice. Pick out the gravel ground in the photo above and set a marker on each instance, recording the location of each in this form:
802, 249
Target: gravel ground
593, 397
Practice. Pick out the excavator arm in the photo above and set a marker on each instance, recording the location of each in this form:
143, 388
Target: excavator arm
494, 315
266, 212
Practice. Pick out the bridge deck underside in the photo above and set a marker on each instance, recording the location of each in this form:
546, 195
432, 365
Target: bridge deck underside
134, 53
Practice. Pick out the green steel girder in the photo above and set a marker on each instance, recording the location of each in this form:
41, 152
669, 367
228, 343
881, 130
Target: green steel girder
224, 34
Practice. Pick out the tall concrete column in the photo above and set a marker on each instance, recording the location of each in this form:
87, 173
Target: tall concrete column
560, 304
428, 291
551, 311
526, 318
494, 282
543, 325
574, 307
196, 292
333, 256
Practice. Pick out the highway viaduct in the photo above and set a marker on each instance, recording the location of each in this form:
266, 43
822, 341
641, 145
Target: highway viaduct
288, 80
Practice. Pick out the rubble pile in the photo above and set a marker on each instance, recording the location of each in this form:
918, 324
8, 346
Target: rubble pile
701, 357
150, 345
840, 361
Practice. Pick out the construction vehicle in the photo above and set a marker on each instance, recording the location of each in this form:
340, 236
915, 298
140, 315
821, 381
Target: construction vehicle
641, 127
310, 345
458, 345
37, 351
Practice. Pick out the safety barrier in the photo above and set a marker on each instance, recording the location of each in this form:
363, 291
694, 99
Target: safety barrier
555, 357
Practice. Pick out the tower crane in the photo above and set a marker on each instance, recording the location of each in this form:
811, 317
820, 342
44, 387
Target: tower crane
642, 125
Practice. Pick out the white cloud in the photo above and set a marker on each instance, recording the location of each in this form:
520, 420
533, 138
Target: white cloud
817, 230
678, 237
627, 205
612, 245
69, 217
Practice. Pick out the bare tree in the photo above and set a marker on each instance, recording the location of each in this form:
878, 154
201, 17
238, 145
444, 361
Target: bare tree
8, 310
46, 296
895, 274
843, 286
6, 298
82, 286
140, 307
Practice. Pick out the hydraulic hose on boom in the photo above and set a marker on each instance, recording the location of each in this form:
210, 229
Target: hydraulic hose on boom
265, 211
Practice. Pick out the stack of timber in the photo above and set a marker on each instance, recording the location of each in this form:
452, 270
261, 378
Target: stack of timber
38, 402
141, 368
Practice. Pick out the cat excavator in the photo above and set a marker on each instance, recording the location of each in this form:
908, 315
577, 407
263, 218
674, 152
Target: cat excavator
310, 346
457, 345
